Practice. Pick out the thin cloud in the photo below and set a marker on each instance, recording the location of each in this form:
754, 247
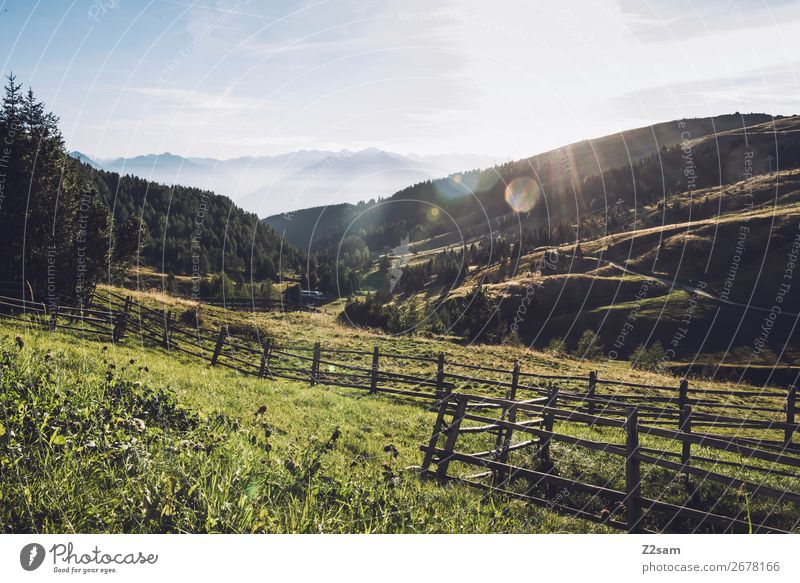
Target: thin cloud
769, 90
198, 100
663, 20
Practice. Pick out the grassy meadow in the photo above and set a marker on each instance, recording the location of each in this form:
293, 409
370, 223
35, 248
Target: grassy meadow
98, 437
101, 438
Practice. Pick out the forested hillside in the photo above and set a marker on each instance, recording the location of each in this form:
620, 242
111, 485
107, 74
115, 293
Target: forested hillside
57, 234
702, 232
187, 230
67, 226
541, 197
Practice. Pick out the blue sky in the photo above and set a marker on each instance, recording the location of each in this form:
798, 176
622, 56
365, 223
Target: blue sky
507, 78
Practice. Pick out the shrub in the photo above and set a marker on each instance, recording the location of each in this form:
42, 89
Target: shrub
556, 347
195, 317
171, 285
650, 359
98, 455
513, 339
366, 312
590, 347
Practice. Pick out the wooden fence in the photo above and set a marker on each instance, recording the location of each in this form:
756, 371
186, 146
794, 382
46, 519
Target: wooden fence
543, 486
528, 403
260, 304
424, 376
89, 319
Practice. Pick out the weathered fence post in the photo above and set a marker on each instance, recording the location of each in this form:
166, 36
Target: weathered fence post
452, 436
791, 403
548, 418
503, 442
122, 320
167, 334
683, 394
53, 318
686, 427
590, 394
373, 378
440, 375
434, 440
633, 480
218, 347
266, 352
315, 364
126, 314
512, 392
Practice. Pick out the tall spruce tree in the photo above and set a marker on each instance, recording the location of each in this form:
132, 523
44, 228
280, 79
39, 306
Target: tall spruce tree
56, 234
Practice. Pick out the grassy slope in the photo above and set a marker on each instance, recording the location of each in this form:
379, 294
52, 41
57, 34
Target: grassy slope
307, 328
154, 472
218, 476
581, 295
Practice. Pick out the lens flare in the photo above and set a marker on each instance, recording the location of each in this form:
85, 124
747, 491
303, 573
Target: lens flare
522, 194
450, 189
464, 185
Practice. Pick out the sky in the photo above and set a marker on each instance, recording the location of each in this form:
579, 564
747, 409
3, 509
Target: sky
232, 78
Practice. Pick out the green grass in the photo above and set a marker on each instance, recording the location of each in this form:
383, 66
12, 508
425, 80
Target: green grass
300, 328
125, 439
608, 470
672, 306
128, 438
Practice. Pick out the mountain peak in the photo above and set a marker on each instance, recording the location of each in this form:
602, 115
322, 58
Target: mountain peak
303, 178
86, 159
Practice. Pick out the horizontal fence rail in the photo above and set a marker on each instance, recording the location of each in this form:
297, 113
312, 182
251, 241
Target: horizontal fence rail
428, 377
503, 402
259, 304
641, 513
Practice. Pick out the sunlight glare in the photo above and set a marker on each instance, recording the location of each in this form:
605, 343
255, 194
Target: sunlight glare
522, 194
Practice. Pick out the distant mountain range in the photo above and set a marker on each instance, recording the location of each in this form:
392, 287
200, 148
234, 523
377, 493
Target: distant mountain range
680, 233
599, 170
268, 185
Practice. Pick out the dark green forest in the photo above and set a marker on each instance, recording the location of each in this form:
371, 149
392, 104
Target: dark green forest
572, 203
68, 227
58, 236
187, 230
